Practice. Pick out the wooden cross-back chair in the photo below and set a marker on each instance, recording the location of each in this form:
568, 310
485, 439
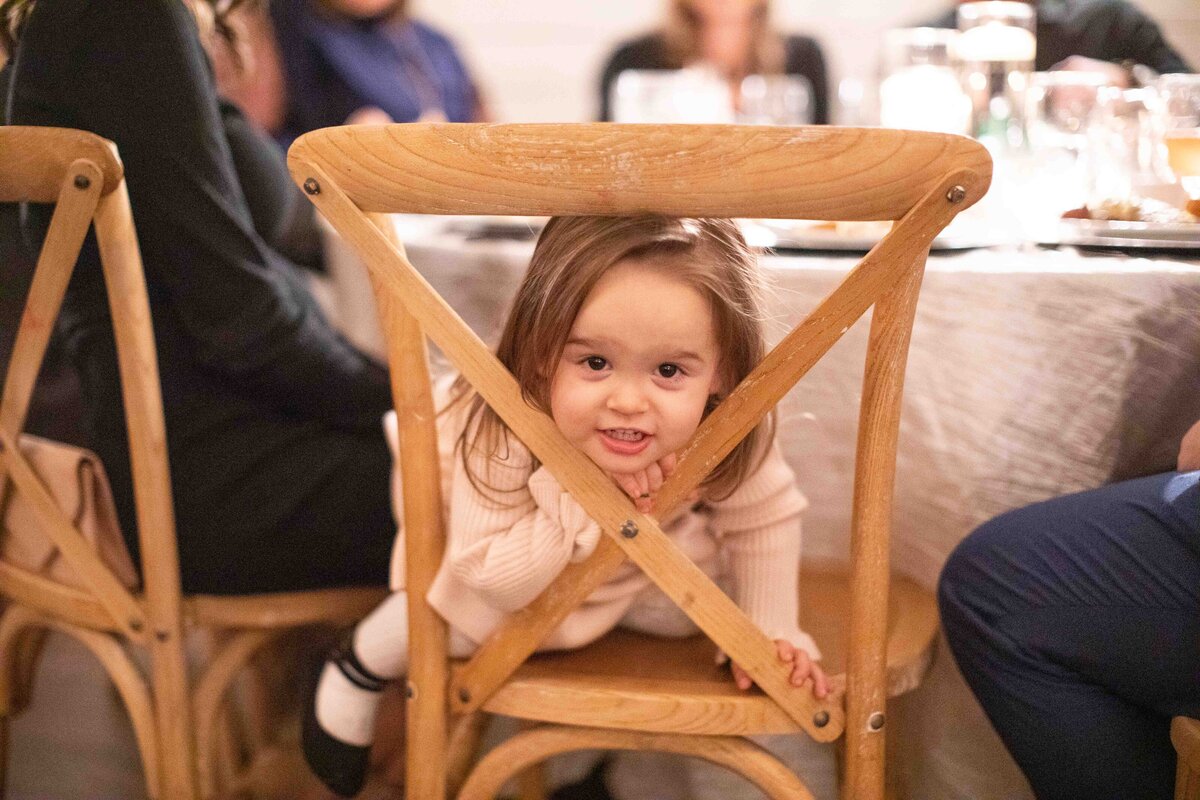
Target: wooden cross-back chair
1185, 735
93, 594
630, 692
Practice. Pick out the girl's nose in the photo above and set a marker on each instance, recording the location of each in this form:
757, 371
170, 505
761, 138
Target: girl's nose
627, 398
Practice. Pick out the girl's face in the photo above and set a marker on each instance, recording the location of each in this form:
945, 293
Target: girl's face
638, 368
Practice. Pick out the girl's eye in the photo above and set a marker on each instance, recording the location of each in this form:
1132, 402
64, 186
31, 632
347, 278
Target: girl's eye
595, 363
668, 370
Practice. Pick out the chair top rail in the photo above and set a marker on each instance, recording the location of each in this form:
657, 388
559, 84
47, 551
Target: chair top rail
813, 172
36, 160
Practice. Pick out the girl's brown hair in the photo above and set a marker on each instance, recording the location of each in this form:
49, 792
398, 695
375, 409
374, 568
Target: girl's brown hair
681, 35
13, 14
571, 255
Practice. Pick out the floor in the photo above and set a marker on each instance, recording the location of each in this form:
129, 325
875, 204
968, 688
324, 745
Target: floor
75, 743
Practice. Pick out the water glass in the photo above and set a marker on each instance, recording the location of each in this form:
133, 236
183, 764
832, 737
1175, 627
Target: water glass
921, 88
695, 94
1179, 98
996, 48
776, 100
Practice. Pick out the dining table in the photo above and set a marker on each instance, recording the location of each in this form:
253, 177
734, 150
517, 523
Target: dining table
1033, 371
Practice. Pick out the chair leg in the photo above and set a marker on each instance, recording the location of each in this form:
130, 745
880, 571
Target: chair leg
134, 693
531, 783
27, 658
231, 652
528, 747
463, 749
1185, 735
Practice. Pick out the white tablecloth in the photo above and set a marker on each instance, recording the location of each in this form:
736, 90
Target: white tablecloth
1032, 373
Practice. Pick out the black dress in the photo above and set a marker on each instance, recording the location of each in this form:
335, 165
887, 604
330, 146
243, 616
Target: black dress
802, 56
1106, 30
278, 463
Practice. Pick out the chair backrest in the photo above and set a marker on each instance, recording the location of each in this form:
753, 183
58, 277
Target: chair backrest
920, 180
81, 174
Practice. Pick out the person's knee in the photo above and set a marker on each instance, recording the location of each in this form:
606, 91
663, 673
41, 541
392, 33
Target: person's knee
971, 567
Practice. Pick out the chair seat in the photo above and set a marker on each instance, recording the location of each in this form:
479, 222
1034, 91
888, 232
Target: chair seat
338, 606
629, 680
1185, 735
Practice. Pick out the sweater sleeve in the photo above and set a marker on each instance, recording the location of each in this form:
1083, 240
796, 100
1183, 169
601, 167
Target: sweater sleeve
760, 529
248, 314
511, 539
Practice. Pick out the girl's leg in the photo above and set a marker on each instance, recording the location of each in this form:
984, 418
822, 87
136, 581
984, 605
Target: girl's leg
340, 725
1077, 624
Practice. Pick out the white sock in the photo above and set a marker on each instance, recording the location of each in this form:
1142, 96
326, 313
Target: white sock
346, 708
381, 639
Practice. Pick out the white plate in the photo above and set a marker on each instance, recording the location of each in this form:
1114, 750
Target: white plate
854, 238
1140, 231
1183, 236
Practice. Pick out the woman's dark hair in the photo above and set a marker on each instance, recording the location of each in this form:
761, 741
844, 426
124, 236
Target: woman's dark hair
13, 14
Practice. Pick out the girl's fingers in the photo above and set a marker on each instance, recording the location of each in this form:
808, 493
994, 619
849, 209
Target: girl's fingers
820, 682
740, 677
802, 667
628, 484
654, 478
785, 651
667, 464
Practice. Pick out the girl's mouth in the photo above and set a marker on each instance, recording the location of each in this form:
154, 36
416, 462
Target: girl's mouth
625, 441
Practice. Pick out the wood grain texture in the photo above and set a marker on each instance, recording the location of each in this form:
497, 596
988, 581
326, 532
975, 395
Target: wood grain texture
628, 680
657, 556
43, 165
69, 225
870, 534
425, 539
814, 172
920, 180
36, 160
1185, 736
533, 746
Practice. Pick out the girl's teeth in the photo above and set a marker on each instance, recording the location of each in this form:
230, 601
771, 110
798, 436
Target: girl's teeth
628, 436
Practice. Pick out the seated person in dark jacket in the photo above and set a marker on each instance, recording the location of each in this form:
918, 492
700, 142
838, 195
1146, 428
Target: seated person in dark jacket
347, 61
1095, 35
279, 466
734, 36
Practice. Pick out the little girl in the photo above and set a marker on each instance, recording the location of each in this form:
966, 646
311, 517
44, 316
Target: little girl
627, 331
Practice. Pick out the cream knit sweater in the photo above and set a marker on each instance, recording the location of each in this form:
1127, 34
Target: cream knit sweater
505, 547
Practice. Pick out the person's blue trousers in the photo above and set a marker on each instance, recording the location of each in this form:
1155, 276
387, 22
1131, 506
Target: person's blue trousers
1076, 622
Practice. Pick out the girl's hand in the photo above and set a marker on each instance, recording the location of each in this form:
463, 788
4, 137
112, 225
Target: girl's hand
802, 667
643, 485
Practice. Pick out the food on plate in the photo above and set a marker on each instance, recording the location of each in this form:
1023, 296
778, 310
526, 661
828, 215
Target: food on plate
1140, 209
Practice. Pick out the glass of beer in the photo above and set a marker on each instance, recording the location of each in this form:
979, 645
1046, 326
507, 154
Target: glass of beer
1180, 102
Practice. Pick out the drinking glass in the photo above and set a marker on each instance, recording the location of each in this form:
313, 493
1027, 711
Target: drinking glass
1179, 97
1061, 109
695, 94
775, 100
996, 48
921, 88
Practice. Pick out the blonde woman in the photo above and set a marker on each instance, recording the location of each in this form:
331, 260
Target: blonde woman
734, 37
627, 332
278, 461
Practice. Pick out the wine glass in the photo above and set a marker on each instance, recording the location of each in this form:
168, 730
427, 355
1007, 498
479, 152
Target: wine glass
1179, 96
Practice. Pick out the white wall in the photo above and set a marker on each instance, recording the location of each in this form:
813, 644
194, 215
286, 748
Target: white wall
539, 60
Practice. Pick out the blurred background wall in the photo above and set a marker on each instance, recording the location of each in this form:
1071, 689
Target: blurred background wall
540, 60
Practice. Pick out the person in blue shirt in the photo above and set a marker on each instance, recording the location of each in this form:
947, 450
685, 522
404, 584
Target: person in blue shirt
348, 61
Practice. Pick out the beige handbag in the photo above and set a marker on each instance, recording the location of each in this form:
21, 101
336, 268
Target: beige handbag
76, 479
